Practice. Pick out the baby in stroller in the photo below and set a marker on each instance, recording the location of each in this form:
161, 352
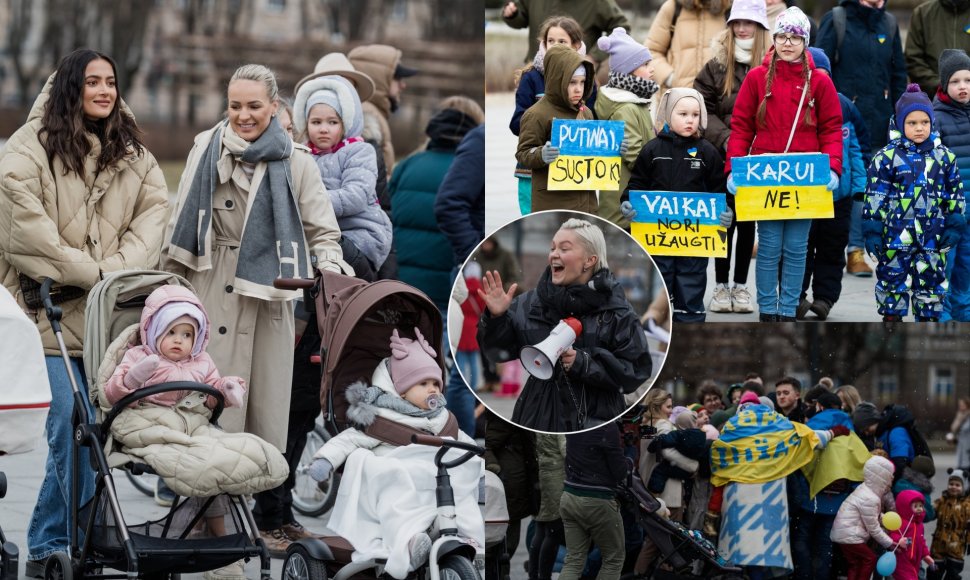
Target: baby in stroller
405, 388
171, 431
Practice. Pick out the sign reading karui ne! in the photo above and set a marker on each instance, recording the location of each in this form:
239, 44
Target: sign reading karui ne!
589, 155
782, 186
674, 223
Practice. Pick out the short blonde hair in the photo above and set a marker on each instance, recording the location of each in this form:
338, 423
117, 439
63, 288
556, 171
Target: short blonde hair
465, 106
260, 74
591, 236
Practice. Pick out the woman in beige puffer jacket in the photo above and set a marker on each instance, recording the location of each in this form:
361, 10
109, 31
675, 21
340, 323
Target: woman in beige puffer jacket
681, 46
81, 196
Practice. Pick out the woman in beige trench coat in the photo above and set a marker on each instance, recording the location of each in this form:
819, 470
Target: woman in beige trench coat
251, 208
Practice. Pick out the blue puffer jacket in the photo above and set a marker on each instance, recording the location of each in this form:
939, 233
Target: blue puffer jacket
871, 71
853, 179
911, 189
953, 120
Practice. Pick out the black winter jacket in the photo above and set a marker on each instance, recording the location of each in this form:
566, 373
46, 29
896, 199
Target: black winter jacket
674, 163
612, 356
594, 459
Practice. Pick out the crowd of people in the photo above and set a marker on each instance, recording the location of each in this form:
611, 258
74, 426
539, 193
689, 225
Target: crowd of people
713, 81
783, 481
271, 190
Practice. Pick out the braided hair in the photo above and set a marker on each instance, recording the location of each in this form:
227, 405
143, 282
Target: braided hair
769, 80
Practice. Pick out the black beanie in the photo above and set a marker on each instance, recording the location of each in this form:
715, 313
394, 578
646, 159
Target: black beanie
951, 61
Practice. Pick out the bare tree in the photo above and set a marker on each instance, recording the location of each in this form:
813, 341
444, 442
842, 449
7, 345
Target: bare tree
18, 29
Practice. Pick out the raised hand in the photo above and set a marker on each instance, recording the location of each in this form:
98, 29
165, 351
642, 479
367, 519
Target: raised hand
509, 10
497, 300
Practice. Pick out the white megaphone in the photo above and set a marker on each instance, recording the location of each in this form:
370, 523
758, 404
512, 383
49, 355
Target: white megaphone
540, 359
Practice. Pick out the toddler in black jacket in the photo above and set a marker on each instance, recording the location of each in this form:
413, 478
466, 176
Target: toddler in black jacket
678, 159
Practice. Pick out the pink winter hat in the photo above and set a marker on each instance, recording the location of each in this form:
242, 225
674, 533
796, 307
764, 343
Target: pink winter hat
412, 362
753, 10
749, 397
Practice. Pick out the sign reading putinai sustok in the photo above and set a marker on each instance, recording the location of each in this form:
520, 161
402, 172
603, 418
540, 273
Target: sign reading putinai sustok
782, 186
674, 223
589, 155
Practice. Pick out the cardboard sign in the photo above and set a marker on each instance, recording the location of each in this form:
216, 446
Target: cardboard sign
782, 187
675, 223
589, 155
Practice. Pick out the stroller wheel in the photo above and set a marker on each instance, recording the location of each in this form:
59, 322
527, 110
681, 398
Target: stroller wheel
456, 567
308, 498
300, 565
59, 567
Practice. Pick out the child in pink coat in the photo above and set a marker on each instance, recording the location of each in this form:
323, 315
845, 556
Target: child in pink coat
910, 504
174, 332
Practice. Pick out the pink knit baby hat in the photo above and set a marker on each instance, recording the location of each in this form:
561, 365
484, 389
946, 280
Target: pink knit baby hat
412, 362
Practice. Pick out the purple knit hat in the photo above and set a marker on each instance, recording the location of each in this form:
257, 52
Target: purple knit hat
626, 54
412, 362
753, 10
912, 100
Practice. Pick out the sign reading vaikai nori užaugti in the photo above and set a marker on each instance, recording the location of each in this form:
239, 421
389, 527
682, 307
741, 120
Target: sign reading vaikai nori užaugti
675, 223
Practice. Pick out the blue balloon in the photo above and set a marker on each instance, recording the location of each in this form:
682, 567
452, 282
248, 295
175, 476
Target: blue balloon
886, 564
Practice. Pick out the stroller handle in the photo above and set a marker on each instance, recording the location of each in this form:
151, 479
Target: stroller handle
293, 283
130, 398
434, 441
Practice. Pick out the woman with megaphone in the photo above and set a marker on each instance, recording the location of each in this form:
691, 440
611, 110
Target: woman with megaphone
581, 368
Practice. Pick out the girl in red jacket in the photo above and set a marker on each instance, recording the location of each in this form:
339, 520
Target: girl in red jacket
763, 121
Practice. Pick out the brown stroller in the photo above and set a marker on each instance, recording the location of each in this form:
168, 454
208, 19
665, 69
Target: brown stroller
355, 319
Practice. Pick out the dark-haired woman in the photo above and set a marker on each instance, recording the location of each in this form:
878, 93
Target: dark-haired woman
81, 196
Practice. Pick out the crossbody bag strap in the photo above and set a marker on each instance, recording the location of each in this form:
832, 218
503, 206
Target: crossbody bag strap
798, 113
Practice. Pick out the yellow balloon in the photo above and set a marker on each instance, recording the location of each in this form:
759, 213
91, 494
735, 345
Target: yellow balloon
891, 521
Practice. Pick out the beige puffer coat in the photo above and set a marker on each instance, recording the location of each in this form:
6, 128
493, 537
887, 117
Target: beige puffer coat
73, 229
681, 49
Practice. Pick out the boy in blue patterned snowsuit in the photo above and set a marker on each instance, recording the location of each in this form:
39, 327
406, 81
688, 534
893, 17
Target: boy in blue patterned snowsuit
913, 212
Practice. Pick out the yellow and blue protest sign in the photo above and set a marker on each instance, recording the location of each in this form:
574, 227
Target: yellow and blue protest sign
782, 187
758, 445
589, 155
675, 223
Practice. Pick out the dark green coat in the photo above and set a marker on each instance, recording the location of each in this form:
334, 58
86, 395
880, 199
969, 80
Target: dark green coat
595, 16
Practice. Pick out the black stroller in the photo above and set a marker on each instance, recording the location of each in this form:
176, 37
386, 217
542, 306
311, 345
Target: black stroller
689, 554
158, 549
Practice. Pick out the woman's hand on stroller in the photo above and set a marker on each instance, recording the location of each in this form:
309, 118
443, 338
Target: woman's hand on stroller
233, 390
497, 300
141, 371
321, 470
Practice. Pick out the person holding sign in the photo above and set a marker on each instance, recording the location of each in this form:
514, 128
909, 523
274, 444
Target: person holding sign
569, 82
678, 159
782, 107
608, 359
626, 97
913, 212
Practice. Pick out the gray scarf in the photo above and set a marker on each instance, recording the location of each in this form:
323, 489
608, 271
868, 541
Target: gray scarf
272, 244
365, 399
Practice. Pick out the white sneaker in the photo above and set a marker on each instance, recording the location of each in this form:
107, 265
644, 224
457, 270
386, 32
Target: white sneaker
234, 571
741, 300
721, 301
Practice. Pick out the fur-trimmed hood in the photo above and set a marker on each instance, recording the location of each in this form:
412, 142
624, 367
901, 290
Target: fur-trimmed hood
351, 113
364, 409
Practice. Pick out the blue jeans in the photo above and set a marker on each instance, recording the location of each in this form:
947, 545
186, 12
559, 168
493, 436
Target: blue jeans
461, 402
956, 303
856, 241
49, 530
782, 242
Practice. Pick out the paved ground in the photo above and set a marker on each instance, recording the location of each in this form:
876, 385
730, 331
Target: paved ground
857, 303
25, 473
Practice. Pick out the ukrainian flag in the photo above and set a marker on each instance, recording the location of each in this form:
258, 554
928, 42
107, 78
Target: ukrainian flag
758, 445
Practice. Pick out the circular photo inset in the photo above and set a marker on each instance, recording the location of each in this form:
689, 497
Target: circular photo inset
559, 322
